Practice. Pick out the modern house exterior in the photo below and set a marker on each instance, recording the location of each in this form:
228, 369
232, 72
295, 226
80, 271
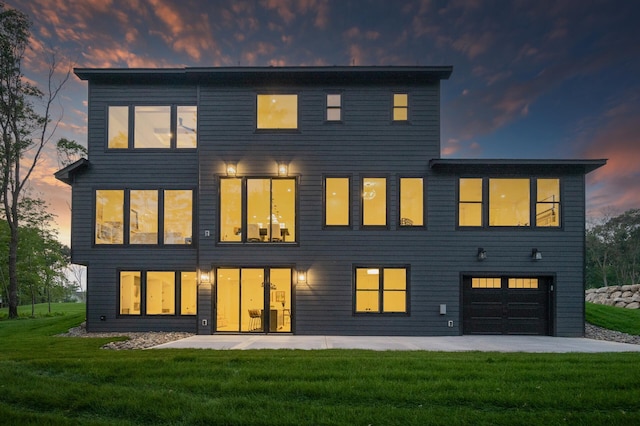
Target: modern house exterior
313, 200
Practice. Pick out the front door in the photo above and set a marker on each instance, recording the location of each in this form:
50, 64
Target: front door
253, 300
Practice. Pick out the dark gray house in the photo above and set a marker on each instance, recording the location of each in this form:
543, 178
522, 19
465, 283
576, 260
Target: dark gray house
313, 200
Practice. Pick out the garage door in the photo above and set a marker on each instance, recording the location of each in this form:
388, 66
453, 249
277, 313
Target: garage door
506, 305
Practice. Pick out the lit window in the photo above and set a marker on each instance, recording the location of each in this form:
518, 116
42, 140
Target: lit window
178, 212
523, 283
381, 290
486, 283
337, 201
143, 217
400, 107
231, 209
374, 201
130, 293
470, 206
152, 127
187, 127
509, 201
411, 202
118, 137
548, 202
109, 217
188, 293
334, 107
161, 293
277, 112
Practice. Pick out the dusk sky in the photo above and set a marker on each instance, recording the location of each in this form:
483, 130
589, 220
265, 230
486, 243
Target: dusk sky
531, 79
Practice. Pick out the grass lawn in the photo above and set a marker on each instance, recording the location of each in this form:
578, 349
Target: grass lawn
621, 319
48, 380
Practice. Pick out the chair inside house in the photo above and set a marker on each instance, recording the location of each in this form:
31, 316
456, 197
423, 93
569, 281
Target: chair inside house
255, 320
276, 236
253, 232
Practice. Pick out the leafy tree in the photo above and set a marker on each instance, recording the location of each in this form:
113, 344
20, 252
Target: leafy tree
69, 152
25, 129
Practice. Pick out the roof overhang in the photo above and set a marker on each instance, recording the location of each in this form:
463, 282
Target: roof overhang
515, 166
402, 75
66, 174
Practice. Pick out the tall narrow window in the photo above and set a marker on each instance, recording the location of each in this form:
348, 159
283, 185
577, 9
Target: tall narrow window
161, 293
178, 212
548, 202
109, 217
188, 293
411, 202
230, 209
277, 112
374, 201
470, 205
400, 107
118, 136
130, 293
143, 217
152, 127
509, 201
381, 290
334, 107
337, 201
187, 127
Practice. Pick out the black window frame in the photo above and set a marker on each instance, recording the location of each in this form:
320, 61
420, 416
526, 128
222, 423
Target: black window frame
324, 201
424, 202
380, 312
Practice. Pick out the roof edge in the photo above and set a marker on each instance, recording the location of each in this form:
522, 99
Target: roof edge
453, 164
66, 174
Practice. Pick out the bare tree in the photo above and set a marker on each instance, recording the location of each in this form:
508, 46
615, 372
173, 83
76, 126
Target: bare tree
26, 128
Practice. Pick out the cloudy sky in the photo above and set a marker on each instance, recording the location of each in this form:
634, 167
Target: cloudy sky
531, 79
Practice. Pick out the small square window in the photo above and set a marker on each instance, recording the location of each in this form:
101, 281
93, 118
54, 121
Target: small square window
334, 107
277, 112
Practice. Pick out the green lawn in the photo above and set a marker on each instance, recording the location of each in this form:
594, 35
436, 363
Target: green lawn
55, 380
620, 319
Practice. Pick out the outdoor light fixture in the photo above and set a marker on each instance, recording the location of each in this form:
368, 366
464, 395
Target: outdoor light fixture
232, 168
536, 255
482, 253
283, 169
302, 276
204, 277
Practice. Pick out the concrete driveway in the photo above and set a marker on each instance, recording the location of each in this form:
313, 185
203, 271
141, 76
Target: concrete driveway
533, 344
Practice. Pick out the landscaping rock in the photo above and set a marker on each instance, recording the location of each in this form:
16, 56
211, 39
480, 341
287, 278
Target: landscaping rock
626, 296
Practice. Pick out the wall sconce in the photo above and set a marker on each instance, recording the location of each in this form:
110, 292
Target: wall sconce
283, 169
482, 254
232, 168
535, 254
204, 277
302, 276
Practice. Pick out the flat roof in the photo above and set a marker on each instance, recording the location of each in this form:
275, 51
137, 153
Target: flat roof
515, 165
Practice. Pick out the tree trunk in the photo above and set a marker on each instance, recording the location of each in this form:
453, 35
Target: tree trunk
13, 271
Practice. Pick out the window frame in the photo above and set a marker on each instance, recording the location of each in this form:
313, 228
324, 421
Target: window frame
424, 205
173, 124
386, 201
349, 178
381, 290
395, 108
283, 130
339, 108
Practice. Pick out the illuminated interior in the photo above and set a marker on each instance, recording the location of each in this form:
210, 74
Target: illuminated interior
337, 201
400, 107
411, 202
178, 212
548, 202
187, 127
509, 202
523, 283
188, 293
486, 283
143, 217
130, 293
152, 127
161, 293
470, 207
374, 201
231, 210
109, 216
372, 283
244, 296
277, 112
334, 109
118, 136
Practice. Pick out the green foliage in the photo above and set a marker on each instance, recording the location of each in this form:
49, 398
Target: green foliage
613, 251
619, 319
69, 151
60, 380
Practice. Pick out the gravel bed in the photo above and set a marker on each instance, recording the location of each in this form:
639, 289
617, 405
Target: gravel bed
149, 339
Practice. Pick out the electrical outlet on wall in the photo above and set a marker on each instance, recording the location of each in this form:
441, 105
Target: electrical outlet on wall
450, 323
205, 322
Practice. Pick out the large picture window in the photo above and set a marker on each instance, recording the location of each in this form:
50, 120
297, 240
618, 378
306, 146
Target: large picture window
509, 202
157, 292
269, 215
337, 201
411, 202
374, 201
380, 290
277, 112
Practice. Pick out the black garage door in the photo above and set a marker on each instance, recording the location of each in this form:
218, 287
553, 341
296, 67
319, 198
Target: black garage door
506, 305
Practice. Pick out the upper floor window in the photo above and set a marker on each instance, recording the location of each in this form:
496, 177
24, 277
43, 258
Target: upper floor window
380, 290
548, 202
509, 202
400, 107
334, 107
269, 214
277, 112
152, 127
374, 201
411, 202
337, 201
470, 205
109, 216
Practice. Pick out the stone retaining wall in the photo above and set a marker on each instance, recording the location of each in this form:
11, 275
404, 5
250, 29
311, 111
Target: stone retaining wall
622, 296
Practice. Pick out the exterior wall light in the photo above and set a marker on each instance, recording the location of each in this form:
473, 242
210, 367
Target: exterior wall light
232, 168
283, 169
302, 276
204, 277
535, 254
482, 254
